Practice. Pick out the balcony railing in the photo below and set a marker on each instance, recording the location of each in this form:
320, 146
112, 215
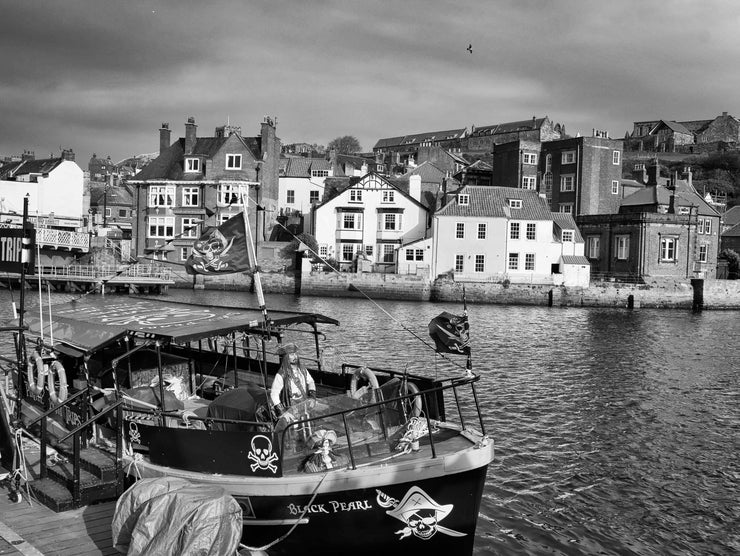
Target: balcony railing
62, 239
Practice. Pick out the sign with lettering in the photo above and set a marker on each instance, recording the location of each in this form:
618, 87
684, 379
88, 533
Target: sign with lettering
15, 249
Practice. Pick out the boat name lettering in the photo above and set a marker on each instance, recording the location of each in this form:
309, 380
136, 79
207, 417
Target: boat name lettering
334, 507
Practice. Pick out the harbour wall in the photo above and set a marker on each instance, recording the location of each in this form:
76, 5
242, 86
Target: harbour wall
654, 293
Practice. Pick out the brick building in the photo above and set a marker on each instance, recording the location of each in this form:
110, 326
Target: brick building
483, 138
578, 175
195, 183
660, 231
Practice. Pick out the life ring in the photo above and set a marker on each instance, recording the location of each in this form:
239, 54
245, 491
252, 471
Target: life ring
36, 382
412, 405
55, 367
365, 373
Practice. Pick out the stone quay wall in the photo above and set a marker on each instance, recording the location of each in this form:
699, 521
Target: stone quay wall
657, 293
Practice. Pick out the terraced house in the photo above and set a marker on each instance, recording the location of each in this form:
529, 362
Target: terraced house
488, 234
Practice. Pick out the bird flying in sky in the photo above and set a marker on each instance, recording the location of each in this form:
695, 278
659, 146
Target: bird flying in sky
470, 48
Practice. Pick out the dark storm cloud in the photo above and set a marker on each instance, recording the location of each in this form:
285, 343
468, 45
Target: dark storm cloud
100, 76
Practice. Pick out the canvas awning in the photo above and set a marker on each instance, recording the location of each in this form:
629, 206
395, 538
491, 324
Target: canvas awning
90, 324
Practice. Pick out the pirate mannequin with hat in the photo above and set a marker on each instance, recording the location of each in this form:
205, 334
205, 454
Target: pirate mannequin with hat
292, 382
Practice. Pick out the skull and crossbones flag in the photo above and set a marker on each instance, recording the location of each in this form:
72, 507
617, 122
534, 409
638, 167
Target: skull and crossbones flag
221, 250
450, 333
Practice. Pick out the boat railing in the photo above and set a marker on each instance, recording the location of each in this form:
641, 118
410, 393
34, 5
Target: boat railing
308, 424
79, 438
374, 404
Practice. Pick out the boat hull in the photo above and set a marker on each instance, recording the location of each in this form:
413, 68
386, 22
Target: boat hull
425, 506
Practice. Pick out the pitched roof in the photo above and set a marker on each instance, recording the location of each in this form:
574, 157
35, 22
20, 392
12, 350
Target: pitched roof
508, 127
685, 196
117, 195
493, 202
416, 138
674, 126
732, 216
575, 259
732, 232
301, 167
169, 164
428, 172
565, 221
25, 167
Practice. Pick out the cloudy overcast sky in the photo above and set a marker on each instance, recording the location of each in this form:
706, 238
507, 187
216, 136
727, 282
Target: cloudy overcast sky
100, 76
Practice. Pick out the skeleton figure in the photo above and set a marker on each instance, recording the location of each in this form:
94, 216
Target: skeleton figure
262, 455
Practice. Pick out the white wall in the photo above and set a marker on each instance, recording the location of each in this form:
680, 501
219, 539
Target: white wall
61, 192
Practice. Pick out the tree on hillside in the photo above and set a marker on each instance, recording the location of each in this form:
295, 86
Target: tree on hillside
347, 144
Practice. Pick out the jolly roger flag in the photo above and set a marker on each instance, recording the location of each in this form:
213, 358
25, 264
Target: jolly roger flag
450, 333
221, 250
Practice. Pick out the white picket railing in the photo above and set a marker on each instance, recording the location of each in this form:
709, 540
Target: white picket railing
63, 239
107, 271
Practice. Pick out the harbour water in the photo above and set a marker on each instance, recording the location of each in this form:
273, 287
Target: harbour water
617, 432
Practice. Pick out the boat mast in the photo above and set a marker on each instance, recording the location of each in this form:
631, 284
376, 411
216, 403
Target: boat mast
21, 348
257, 279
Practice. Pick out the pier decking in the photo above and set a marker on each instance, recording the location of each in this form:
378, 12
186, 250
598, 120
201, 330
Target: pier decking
33, 530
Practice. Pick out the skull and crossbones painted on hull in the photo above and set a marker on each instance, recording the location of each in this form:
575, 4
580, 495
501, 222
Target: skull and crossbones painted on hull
420, 512
262, 454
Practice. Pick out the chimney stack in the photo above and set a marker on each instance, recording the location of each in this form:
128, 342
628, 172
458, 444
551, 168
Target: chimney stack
164, 137
190, 135
68, 154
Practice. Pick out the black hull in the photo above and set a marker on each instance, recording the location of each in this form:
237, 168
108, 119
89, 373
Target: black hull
353, 522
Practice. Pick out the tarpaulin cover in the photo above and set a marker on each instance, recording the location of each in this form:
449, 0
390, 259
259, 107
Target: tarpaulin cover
239, 404
173, 517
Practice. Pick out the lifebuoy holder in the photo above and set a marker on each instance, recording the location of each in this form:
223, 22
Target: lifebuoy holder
366, 374
36, 383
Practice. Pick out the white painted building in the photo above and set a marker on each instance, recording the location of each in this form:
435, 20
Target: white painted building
301, 186
372, 217
54, 186
497, 233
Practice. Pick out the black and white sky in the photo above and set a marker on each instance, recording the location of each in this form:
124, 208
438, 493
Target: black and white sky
100, 76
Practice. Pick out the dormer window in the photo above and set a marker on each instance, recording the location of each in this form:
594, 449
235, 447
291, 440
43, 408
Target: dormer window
233, 162
567, 236
192, 165
463, 199
515, 203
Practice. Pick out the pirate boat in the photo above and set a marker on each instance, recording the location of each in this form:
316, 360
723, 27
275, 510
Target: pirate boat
381, 460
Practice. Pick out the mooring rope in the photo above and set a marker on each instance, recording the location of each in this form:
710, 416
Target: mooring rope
285, 536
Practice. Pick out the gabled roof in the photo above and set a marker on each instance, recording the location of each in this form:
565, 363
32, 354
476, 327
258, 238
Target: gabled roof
673, 126
333, 187
25, 167
429, 173
509, 127
695, 126
169, 164
417, 138
493, 202
117, 195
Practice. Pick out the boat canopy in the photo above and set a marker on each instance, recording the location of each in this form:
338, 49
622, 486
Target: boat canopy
90, 324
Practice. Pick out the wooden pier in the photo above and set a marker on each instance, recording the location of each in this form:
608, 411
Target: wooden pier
35, 530
133, 279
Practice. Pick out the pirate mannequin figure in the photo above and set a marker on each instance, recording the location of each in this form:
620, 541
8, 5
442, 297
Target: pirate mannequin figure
293, 383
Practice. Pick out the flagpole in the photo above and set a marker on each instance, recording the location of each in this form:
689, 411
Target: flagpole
469, 364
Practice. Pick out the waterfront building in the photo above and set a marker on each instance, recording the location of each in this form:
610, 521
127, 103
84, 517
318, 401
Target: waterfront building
661, 231
488, 233
364, 222
577, 175
301, 186
195, 183
56, 204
